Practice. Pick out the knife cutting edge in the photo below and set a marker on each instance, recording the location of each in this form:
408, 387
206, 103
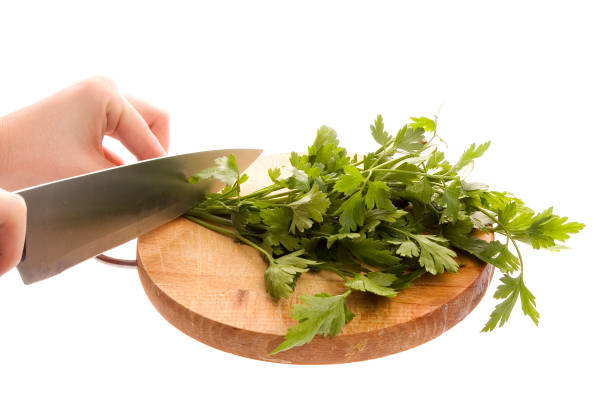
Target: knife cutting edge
71, 220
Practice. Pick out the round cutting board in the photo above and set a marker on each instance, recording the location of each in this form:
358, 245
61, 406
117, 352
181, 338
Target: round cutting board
212, 289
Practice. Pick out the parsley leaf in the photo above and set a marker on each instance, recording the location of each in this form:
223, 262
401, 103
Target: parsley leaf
320, 314
308, 209
349, 181
435, 160
378, 283
378, 131
226, 170
450, 198
421, 191
277, 221
470, 154
541, 230
282, 273
378, 196
331, 239
376, 216
407, 248
371, 251
502, 311
511, 289
435, 256
299, 180
326, 136
352, 213
423, 122
494, 252
410, 139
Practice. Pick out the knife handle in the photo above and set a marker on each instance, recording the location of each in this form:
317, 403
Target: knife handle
115, 261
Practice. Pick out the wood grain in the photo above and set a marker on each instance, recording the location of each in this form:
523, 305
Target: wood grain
212, 289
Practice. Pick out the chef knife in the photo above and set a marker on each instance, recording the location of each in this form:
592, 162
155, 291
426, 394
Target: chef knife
71, 220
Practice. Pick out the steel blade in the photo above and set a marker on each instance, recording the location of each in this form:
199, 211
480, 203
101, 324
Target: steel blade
71, 220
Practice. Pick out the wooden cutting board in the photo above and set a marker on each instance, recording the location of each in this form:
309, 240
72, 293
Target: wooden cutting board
212, 289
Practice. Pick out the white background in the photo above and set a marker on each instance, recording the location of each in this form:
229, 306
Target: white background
533, 77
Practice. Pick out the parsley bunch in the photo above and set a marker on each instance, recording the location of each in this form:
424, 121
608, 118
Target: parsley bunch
378, 221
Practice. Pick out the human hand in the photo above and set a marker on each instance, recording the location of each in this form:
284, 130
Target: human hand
61, 136
12, 229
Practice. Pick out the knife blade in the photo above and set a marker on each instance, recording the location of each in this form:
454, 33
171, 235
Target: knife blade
71, 220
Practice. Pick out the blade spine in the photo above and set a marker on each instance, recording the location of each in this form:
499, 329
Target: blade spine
138, 163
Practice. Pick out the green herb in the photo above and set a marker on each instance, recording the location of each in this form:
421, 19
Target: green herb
402, 209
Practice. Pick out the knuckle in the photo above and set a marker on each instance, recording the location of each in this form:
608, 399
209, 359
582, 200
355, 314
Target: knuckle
104, 81
99, 85
163, 117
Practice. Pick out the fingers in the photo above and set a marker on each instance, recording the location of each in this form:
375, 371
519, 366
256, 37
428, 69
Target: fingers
126, 124
142, 128
111, 156
12, 229
157, 120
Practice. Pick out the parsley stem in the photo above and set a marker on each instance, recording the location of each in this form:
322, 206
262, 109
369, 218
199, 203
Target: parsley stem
508, 235
382, 151
262, 191
229, 233
397, 230
392, 162
218, 209
271, 203
365, 182
342, 273
435, 133
201, 214
442, 177
280, 194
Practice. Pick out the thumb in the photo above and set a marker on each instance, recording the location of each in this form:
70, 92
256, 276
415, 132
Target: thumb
12, 229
